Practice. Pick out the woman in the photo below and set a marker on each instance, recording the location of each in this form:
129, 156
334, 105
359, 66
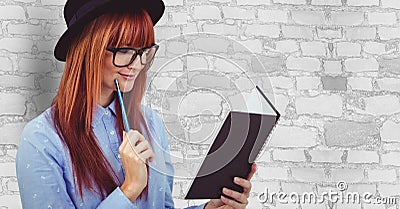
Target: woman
76, 154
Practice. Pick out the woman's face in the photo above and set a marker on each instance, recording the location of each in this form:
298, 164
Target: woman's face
126, 75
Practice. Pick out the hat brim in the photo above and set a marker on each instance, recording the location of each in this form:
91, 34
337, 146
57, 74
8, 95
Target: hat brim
154, 8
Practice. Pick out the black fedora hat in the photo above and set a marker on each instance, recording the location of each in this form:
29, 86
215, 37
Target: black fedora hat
78, 13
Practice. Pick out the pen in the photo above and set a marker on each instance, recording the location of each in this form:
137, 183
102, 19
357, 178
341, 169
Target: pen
121, 103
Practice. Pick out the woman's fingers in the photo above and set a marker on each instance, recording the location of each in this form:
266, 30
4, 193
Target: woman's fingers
148, 154
233, 203
239, 197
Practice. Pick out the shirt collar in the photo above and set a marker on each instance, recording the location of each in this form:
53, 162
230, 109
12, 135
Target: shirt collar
100, 111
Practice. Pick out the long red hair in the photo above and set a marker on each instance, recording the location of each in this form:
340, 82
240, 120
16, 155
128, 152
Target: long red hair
80, 89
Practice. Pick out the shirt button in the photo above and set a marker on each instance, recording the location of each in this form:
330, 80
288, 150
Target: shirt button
106, 112
112, 133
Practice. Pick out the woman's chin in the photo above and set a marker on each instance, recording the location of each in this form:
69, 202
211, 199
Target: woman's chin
126, 86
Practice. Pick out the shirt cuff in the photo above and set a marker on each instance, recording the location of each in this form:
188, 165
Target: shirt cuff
117, 199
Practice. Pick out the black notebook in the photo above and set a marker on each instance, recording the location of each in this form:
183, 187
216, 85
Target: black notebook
238, 143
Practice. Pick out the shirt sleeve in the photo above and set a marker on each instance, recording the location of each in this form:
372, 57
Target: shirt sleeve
39, 167
169, 202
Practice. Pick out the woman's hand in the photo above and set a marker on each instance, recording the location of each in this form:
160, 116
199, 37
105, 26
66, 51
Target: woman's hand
134, 151
240, 199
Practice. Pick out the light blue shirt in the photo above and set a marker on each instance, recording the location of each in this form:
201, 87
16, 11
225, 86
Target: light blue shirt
44, 169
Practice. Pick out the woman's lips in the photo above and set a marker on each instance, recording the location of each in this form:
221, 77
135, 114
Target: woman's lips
127, 76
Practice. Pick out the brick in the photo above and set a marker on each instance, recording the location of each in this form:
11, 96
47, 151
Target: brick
7, 169
347, 18
308, 83
238, 13
265, 156
328, 156
313, 48
10, 133
12, 186
206, 12
42, 13
301, 32
53, 2
390, 65
166, 32
213, 45
350, 134
8, 12
360, 33
332, 66
222, 29
389, 84
46, 46
271, 31
388, 33
298, 188
387, 175
25, 29
269, 64
286, 136
12, 81
361, 188
273, 16
374, 48
347, 175
330, 33
361, 65
309, 17
221, 1
12, 153
35, 66
56, 30
252, 46
327, 2
297, 2
281, 82
252, 2
272, 172
373, 105
360, 156
348, 49
287, 46
303, 64
363, 3
10, 201
357, 83
308, 174
43, 101
336, 83
281, 102
321, 105
18, 45
179, 18
5, 64
289, 155
390, 4
174, 3
387, 190
390, 131
391, 158
49, 84
382, 18
17, 101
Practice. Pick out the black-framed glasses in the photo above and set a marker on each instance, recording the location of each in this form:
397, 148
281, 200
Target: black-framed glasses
123, 57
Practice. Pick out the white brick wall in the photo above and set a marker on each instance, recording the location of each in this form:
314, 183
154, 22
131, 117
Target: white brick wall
333, 66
